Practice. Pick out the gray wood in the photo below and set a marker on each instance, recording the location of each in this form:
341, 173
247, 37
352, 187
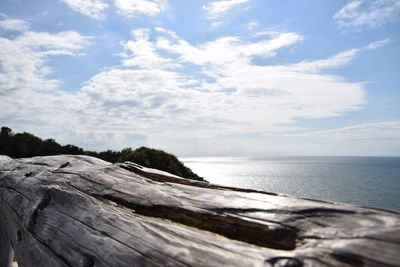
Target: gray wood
81, 211
6, 252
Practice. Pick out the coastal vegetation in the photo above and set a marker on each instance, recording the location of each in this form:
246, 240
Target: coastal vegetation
23, 145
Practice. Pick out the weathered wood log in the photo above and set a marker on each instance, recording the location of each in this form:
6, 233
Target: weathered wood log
82, 211
6, 251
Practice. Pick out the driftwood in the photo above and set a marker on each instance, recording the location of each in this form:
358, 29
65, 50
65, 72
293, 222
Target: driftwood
82, 211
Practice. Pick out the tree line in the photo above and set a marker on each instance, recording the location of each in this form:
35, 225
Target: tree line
23, 145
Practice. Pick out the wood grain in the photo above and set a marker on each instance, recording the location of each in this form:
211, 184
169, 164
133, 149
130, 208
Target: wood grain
82, 211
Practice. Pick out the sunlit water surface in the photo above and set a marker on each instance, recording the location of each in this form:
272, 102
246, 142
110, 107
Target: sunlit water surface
366, 181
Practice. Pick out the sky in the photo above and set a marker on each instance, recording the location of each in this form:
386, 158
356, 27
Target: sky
205, 77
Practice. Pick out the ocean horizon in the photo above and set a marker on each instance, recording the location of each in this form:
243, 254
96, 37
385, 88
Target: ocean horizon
364, 181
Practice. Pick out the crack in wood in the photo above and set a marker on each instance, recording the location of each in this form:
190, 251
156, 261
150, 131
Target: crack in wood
285, 262
66, 164
44, 202
16, 190
225, 225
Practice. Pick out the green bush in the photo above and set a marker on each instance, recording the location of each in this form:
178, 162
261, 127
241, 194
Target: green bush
158, 159
22, 145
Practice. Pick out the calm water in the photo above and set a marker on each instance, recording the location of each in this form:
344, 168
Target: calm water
366, 181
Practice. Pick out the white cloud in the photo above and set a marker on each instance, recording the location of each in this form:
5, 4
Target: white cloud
28, 94
252, 25
378, 131
150, 100
368, 139
23, 59
11, 24
166, 86
46, 44
335, 61
95, 8
216, 24
140, 7
359, 14
142, 53
164, 97
339, 59
378, 44
267, 33
226, 49
220, 7
91, 8
378, 138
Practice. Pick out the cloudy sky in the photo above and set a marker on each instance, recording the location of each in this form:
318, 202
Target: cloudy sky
205, 77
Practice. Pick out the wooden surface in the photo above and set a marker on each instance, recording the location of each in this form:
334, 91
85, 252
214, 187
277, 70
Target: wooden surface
6, 252
82, 211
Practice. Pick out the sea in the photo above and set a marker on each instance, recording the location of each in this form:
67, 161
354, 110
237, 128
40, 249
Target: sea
364, 181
